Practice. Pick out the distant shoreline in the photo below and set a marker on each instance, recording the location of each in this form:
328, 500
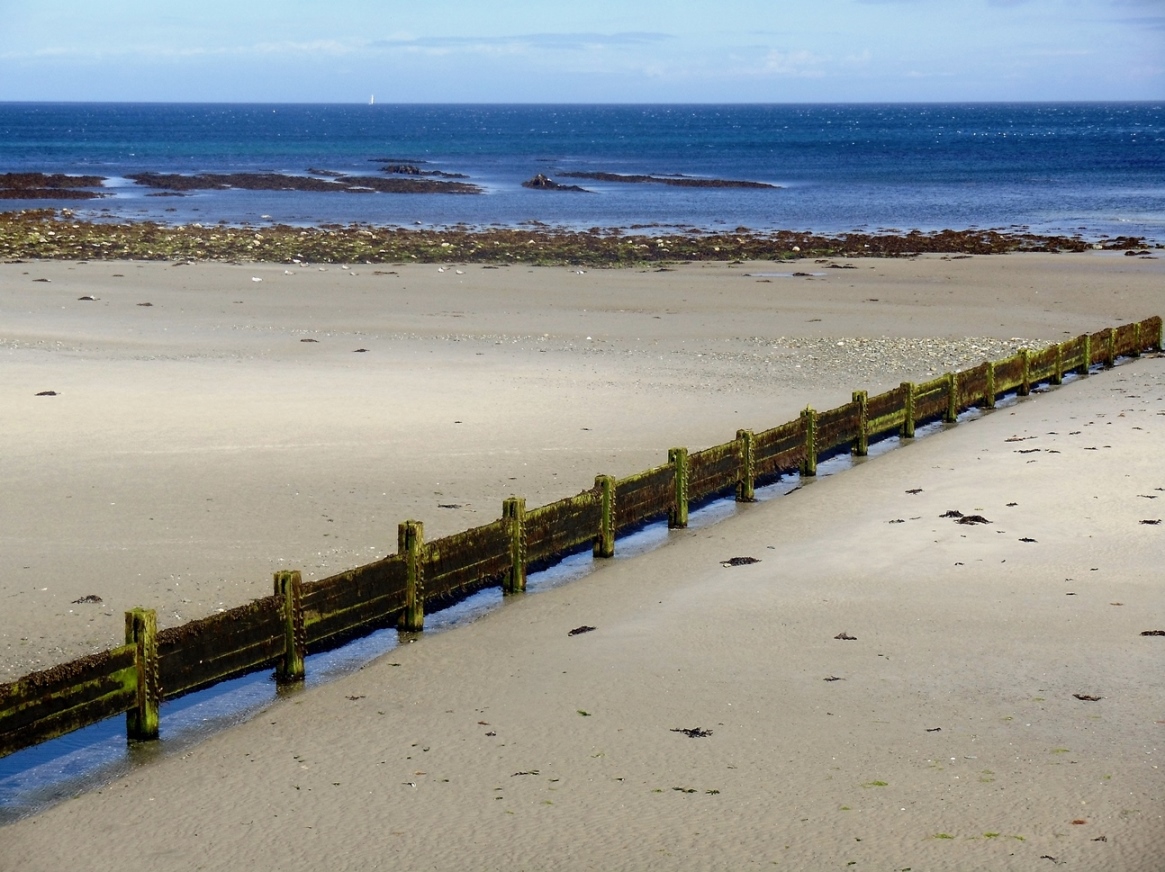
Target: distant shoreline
58, 235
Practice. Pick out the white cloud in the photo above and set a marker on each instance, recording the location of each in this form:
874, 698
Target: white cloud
798, 64
539, 41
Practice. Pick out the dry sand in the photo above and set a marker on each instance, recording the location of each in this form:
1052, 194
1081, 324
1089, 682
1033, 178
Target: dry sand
195, 445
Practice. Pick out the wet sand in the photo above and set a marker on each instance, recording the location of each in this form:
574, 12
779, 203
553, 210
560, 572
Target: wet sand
187, 456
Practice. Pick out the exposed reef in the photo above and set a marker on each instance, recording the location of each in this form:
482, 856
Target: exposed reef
678, 181
282, 182
48, 186
45, 233
407, 169
542, 183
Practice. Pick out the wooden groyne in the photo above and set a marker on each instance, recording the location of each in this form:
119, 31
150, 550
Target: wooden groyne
279, 631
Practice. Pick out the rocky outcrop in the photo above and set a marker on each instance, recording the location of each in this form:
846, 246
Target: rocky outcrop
282, 182
407, 169
48, 186
678, 181
543, 183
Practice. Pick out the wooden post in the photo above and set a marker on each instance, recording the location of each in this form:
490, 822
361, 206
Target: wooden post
678, 516
1136, 352
605, 541
289, 588
1058, 375
952, 413
1083, 371
809, 465
1025, 384
514, 515
141, 629
411, 545
989, 392
862, 441
746, 477
1110, 355
908, 411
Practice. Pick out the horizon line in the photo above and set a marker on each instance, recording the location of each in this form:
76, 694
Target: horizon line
361, 102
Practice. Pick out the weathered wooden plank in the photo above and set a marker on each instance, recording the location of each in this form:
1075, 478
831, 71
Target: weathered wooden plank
221, 646
1127, 339
288, 584
887, 411
1008, 374
561, 526
1100, 346
972, 388
838, 428
410, 544
464, 562
713, 470
143, 721
1072, 351
1151, 334
605, 541
369, 596
64, 698
931, 398
1042, 365
780, 449
644, 496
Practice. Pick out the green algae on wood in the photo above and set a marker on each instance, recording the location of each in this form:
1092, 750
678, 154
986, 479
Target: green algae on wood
746, 477
411, 545
809, 464
141, 631
514, 514
289, 590
678, 517
605, 540
862, 441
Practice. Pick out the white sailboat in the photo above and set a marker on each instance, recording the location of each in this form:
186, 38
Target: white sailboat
372, 100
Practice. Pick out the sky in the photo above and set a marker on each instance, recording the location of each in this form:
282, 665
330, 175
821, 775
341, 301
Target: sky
587, 51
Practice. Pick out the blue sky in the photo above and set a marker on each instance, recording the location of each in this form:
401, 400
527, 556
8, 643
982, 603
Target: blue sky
592, 51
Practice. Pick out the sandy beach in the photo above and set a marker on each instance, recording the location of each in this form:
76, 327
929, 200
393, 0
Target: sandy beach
255, 417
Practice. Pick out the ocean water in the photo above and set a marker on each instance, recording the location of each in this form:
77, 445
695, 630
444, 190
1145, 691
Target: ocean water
1089, 169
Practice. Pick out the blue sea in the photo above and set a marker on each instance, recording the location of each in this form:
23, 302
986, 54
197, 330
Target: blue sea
1091, 169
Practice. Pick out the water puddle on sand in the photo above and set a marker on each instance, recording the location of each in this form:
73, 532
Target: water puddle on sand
35, 778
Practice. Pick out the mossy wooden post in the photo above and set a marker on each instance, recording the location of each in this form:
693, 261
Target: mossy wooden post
952, 413
1110, 353
678, 516
809, 424
908, 411
605, 540
989, 390
411, 545
1058, 375
141, 629
862, 440
746, 478
514, 515
1136, 352
1025, 384
289, 589
1087, 362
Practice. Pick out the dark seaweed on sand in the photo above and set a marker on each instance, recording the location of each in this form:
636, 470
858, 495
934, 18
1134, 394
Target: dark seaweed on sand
52, 234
